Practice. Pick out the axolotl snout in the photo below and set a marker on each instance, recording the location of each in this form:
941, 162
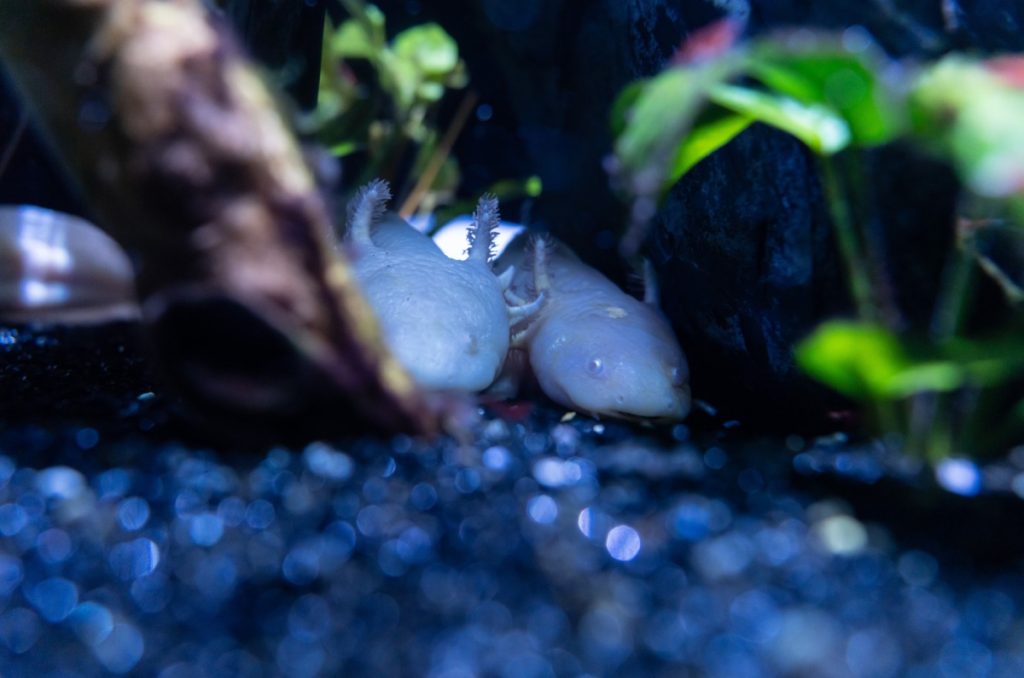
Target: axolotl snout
446, 320
591, 346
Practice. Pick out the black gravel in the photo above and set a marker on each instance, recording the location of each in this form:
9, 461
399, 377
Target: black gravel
540, 548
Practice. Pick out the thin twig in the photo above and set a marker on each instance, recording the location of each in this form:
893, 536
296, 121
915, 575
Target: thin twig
441, 153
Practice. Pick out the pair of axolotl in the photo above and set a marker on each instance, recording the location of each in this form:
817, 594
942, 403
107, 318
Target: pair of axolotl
463, 325
457, 324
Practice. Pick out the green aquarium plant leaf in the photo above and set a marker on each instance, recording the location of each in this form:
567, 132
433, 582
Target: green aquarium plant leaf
971, 111
655, 117
843, 74
622, 108
369, 17
430, 48
817, 126
381, 113
826, 92
352, 40
869, 363
857, 359
345, 148
714, 128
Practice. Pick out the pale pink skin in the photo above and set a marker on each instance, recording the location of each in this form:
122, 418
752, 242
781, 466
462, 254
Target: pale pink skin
596, 349
444, 319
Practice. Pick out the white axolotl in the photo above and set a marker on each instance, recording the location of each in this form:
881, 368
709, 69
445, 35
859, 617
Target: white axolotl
446, 320
591, 346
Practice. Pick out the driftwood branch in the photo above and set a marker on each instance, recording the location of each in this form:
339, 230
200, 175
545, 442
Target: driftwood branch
180, 147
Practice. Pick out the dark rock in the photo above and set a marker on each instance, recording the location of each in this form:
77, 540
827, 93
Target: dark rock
744, 250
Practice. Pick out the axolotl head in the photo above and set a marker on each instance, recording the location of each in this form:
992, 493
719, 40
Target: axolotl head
631, 367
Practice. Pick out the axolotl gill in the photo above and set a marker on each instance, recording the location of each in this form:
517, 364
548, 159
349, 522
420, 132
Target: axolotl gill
446, 320
591, 346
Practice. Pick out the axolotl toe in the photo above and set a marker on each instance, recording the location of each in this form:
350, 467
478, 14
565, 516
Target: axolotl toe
591, 346
446, 320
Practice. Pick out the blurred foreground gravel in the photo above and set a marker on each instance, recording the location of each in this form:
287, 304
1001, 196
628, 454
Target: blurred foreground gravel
542, 548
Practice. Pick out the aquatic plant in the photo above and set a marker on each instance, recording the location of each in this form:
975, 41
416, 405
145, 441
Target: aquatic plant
840, 96
379, 100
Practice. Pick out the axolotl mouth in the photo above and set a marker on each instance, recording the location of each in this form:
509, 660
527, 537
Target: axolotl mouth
677, 410
673, 409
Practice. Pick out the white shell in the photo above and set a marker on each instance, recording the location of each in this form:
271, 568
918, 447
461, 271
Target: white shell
55, 267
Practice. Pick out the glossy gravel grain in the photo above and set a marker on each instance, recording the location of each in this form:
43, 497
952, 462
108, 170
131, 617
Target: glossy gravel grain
540, 548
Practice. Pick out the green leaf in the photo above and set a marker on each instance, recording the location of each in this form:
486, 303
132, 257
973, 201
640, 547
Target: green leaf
370, 18
345, 148
661, 113
974, 117
533, 186
430, 91
429, 47
401, 79
815, 125
351, 40
713, 130
819, 71
621, 112
654, 117
856, 359
867, 362
937, 377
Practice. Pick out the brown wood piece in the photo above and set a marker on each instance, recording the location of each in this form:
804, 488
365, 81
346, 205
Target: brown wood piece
182, 150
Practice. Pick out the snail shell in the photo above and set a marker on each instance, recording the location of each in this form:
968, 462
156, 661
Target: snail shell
55, 267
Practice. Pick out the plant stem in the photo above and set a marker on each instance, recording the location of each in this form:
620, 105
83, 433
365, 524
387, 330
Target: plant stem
940, 440
441, 153
886, 309
847, 240
956, 286
947, 320
921, 410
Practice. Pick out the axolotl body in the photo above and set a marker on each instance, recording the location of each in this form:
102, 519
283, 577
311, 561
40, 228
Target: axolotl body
446, 320
591, 346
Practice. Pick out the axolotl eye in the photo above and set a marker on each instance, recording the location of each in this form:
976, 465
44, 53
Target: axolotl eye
595, 367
